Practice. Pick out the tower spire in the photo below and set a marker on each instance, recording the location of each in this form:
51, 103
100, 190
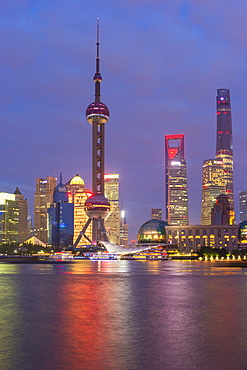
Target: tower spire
97, 76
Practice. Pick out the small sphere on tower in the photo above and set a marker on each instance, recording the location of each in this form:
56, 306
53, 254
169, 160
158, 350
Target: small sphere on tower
97, 206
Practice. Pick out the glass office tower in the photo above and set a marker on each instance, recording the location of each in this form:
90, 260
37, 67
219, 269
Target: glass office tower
176, 190
224, 148
213, 184
112, 220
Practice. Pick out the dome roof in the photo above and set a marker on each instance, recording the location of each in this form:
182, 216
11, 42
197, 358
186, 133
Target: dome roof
152, 231
76, 180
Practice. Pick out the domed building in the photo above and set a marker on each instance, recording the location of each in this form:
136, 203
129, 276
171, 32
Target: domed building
152, 232
78, 195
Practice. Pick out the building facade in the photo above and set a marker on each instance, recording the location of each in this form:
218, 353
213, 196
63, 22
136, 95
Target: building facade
193, 237
23, 230
176, 191
243, 205
176, 181
112, 221
9, 218
43, 197
224, 147
124, 230
220, 214
61, 219
213, 184
156, 214
78, 194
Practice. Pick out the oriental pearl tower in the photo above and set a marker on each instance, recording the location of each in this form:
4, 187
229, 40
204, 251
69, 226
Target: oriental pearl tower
97, 206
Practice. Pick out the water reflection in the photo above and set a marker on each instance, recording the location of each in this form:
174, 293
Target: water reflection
123, 315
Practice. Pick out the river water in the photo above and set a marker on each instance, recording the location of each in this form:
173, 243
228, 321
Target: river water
123, 315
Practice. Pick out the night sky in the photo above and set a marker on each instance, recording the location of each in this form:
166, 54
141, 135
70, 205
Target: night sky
161, 63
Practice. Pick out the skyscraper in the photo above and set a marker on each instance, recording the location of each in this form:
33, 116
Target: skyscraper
224, 148
61, 218
43, 197
213, 184
176, 192
124, 230
78, 194
23, 234
243, 205
112, 221
9, 218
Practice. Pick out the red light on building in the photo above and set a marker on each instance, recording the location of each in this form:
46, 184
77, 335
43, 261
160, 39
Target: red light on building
174, 144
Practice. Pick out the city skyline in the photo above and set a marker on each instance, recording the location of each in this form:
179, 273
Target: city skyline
162, 64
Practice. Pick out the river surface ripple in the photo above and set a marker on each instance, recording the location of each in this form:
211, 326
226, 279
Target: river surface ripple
123, 315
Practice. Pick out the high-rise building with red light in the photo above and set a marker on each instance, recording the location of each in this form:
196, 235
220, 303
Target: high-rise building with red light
176, 191
224, 149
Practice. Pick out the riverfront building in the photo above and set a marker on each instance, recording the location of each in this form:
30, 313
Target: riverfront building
9, 218
213, 184
176, 192
224, 148
193, 237
190, 237
112, 220
43, 197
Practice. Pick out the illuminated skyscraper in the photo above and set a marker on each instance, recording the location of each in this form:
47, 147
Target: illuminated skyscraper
112, 221
61, 218
9, 218
78, 195
176, 181
213, 184
243, 205
124, 230
224, 148
23, 234
43, 197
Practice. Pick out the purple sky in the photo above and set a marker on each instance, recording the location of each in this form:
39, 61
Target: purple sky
161, 63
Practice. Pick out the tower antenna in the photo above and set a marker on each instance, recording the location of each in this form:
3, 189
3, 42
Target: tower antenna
97, 39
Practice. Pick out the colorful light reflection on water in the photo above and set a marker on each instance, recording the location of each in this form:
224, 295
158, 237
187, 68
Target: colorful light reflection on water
123, 315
